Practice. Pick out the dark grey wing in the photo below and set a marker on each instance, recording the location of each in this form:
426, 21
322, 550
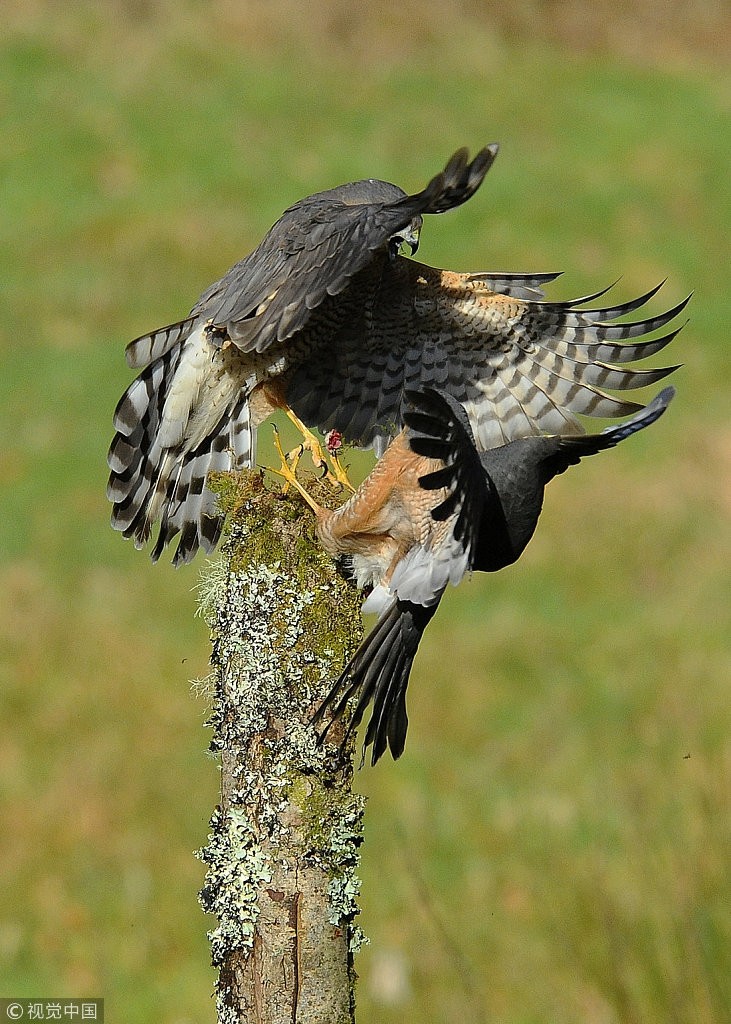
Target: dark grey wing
570, 450
438, 428
519, 472
319, 245
519, 366
453, 186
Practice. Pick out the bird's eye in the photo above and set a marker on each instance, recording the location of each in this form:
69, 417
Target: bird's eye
394, 246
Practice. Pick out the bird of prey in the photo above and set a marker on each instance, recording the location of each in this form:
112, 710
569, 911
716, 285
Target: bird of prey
327, 319
432, 509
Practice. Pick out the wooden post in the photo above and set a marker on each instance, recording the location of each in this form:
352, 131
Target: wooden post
283, 846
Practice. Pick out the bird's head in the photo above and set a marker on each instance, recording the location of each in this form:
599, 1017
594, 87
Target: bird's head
407, 236
371, 192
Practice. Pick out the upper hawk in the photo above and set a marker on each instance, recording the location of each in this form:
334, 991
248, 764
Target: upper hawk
327, 318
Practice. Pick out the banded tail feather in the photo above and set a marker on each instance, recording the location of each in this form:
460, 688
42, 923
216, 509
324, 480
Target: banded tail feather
153, 346
378, 674
167, 444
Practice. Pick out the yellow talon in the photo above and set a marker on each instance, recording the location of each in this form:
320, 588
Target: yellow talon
337, 477
339, 473
287, 473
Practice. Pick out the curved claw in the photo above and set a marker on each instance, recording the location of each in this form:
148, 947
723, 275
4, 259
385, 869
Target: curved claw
287, 472
336, 476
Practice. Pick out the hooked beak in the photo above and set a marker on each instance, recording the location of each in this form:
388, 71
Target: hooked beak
409, 236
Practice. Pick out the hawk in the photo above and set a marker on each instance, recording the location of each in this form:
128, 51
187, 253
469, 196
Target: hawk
433, 509
327, 319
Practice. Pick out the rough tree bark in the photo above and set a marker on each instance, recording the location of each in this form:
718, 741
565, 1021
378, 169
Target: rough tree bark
283, 846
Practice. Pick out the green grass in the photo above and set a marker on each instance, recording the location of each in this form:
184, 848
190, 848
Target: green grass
553, 846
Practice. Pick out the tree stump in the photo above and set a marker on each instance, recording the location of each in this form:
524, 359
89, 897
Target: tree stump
283, 847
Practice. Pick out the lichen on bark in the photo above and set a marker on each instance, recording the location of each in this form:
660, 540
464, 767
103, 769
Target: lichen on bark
283, 846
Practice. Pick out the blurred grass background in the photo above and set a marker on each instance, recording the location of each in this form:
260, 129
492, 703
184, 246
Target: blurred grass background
554, 844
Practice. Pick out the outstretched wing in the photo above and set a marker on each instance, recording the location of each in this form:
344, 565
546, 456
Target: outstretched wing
438, 428
319, 244
519, 366
562, 452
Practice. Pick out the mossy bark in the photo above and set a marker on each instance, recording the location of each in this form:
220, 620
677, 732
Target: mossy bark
284, 841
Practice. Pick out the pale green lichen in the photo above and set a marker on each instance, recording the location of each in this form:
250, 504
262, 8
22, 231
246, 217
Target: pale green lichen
237, 868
